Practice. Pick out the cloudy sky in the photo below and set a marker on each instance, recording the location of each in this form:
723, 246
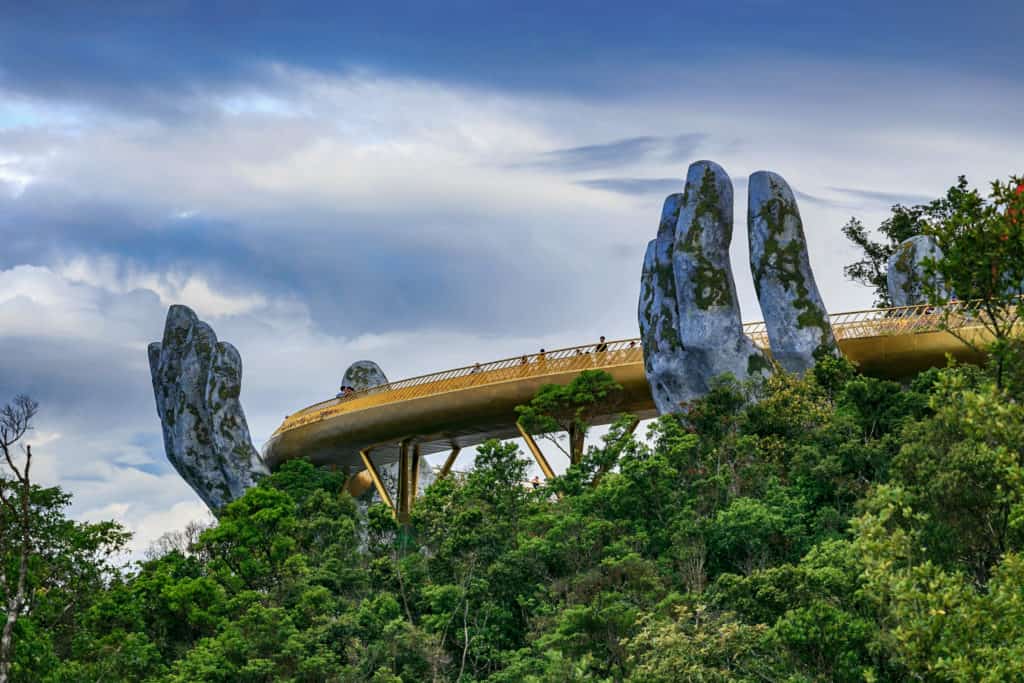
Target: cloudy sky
425, 184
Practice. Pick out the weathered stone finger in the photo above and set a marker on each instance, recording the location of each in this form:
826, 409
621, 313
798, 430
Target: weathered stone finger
658, 313
794, 314
906, 275
167, 389
239, 462
710, 327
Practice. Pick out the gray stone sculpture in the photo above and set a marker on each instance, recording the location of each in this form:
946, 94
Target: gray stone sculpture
196, 382
664, 361
906, 276
689, 314
363, 374
794, 313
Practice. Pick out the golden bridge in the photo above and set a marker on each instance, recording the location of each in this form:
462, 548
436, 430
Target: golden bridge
405, 420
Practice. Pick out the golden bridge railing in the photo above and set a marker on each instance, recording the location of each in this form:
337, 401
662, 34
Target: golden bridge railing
571, 359
856, 324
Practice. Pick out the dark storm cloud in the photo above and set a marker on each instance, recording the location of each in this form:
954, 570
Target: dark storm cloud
77, 381
132, 54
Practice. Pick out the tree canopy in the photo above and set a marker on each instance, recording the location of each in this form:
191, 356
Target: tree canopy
830, 528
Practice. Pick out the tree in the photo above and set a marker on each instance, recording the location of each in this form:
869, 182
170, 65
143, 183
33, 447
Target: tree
571, 408
15, 519
870, 270
982, 240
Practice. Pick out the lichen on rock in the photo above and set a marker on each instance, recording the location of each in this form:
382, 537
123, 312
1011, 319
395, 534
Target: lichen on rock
688, 312
363, 374
196, 383
659, 314
710, 326
906, 276
690, 320
794, 313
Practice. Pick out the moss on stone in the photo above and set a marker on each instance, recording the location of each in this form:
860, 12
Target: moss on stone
710, 283
785, 261
905, 264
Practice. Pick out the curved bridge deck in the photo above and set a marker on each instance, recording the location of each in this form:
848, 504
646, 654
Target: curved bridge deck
465, 406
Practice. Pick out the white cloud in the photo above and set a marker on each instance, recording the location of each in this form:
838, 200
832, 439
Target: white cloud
114, 275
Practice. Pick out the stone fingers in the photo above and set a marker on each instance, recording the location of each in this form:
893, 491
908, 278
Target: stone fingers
658, 313
794, 314
710, 326
196, 383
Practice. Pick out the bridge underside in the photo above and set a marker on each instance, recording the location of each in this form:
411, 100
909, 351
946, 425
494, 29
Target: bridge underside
437, 423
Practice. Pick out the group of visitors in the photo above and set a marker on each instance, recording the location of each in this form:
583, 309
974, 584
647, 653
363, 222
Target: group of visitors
600, 347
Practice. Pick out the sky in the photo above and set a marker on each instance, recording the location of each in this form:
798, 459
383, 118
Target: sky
425, 184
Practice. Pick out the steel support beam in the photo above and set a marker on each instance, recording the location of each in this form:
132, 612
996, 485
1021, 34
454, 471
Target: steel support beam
542, 462
446, 468
377, 481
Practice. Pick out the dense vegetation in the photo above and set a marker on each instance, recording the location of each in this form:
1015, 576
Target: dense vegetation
840, 528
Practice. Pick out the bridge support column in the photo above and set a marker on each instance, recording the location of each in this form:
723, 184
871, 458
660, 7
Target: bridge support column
542, 462
378, 483
408, 476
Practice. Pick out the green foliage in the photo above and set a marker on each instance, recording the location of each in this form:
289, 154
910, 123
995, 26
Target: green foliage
982, 239
870, 270
570, 408
830, 528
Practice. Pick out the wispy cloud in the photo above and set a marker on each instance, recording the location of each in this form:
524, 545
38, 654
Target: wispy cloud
879, 197
618, 153
635, 187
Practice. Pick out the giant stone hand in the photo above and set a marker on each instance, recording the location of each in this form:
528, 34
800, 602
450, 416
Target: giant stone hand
689, 314
196, 382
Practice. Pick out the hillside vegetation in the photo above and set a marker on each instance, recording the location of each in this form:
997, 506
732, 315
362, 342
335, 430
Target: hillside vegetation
833, 527
840, 528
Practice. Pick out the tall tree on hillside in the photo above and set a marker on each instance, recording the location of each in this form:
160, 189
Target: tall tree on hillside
982, 241
52, 569
870, 270
571, 408
15, 519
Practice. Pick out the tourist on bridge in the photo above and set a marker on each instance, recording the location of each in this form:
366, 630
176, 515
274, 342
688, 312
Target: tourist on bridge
601, 346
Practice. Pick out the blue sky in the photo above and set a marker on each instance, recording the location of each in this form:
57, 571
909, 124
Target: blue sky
425, 184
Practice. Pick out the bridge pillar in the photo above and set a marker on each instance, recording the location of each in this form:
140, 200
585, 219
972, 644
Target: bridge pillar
408, 478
